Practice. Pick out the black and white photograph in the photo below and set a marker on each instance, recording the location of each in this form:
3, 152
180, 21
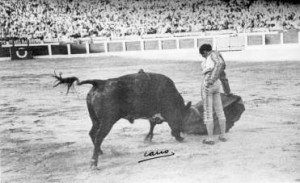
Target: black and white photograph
152, 91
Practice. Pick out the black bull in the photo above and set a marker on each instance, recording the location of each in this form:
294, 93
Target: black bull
145, 95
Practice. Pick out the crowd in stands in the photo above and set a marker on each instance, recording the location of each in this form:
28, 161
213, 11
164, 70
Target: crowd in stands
48, 19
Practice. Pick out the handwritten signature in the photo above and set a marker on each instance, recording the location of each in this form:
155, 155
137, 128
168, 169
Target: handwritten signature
154, 154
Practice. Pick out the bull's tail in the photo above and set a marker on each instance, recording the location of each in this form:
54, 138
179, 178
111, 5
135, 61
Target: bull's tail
69, 81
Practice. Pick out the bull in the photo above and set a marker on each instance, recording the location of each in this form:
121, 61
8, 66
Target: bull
133, 96
146, 95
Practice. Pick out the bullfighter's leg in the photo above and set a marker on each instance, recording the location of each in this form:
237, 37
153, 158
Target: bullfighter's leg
101, 133
217, 103
208, 113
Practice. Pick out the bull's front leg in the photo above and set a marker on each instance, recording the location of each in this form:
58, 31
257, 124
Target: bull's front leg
156, 119
150, 134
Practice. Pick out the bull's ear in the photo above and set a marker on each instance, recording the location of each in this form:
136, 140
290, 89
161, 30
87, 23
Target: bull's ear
188, 105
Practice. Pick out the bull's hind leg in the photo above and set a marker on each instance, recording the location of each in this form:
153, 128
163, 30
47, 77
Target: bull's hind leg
95, 122
101, 133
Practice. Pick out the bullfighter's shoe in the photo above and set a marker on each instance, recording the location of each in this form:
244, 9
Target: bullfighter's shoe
222, 139
208, 141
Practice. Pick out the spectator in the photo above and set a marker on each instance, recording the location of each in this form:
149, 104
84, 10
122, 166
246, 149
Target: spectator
77, 18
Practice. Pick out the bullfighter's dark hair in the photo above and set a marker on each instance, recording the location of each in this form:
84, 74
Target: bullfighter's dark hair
205, 47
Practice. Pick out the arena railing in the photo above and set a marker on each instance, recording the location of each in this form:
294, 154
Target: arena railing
225, 42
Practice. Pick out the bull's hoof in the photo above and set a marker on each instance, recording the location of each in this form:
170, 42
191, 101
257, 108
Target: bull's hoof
94, 168
93, 164
177, 136
179, 139
209, 142
148, 138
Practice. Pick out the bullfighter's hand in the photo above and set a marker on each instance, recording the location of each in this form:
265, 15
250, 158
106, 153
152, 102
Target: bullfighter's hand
228, 94
209, 83
206, 87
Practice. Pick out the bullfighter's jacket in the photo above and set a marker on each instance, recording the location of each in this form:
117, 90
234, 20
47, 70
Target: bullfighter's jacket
214, 69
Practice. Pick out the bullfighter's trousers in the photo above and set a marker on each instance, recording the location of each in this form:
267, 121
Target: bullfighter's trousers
212, 102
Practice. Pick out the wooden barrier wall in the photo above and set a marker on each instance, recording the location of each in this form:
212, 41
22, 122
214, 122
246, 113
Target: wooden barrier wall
219, 42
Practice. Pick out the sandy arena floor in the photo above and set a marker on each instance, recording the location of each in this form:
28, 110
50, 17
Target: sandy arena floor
44, 133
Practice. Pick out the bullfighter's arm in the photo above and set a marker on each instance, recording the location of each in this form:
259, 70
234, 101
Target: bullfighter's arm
219, 67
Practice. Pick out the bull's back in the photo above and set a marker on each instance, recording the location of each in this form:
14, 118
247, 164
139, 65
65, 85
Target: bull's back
140, 94
154, 85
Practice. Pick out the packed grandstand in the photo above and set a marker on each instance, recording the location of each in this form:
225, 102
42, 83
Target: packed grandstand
57, 19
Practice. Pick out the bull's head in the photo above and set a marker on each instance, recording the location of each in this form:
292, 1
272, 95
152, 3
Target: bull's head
193, 119
185, 114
